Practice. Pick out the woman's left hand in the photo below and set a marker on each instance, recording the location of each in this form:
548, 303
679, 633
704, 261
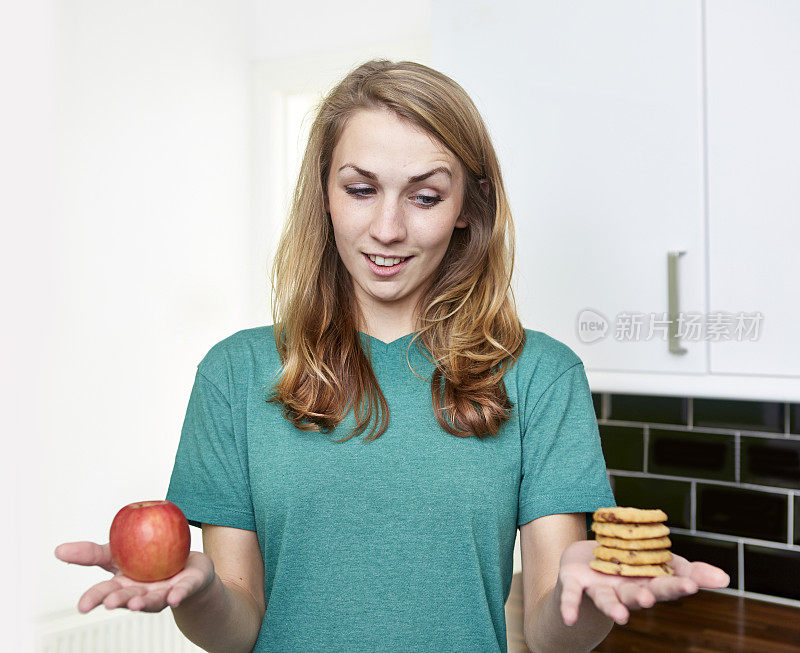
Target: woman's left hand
614, 596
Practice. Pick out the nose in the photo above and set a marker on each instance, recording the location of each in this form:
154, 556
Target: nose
388, 224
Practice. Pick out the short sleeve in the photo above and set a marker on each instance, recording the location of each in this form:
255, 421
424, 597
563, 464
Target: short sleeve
563, 469
209, 478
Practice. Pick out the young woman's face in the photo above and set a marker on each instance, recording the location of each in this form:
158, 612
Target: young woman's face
380, 205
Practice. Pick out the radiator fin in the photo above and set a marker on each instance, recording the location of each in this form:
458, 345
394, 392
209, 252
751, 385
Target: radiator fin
111, 631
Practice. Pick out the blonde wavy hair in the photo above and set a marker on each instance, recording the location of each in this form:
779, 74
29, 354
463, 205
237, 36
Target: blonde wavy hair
467, 316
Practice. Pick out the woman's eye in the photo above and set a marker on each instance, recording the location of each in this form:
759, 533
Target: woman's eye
425, 201
428, 200
356, 191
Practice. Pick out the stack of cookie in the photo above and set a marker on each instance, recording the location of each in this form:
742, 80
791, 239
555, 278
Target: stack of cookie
633, 542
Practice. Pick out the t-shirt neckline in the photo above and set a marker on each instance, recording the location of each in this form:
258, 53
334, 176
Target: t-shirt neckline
380, 345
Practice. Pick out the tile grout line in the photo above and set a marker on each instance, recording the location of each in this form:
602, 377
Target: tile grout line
646, 435
790, 520
740, 551
690, 411
693, 506
786, 413
772, 489
710, 430
778, 600
722, 537
737, 456
605, 405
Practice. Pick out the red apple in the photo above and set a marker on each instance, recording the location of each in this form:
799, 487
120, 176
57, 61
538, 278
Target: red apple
150, 540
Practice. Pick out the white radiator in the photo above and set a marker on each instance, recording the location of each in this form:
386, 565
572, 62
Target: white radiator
111, 631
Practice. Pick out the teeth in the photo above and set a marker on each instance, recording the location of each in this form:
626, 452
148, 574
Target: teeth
386, 262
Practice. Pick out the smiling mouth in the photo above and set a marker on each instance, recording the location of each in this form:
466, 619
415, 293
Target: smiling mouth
381, 268
387, 261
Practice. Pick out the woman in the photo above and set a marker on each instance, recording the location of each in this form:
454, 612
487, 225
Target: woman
392, 305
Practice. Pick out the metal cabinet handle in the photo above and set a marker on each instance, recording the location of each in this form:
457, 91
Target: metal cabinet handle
672, 299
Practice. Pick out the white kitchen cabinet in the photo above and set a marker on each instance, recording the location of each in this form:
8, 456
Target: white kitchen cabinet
613, 156
753, 81
595, 109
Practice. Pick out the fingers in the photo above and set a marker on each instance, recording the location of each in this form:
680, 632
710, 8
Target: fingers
571, 591
669, 588
120, 597
112, 594
95, 595
606, 600
183, 588
86, 553
153, 601
616, 599
81, 553
195, 578
122, 591
705, 575
709, 576
636, 596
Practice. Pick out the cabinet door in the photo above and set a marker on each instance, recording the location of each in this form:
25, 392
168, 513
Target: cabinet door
595, 109
754, 181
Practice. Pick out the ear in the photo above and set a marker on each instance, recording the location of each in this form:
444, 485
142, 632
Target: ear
461, 222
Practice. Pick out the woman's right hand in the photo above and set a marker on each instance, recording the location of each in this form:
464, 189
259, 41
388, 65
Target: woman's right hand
121, 591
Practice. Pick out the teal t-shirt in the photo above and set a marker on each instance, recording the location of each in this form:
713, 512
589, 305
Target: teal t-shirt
401, 544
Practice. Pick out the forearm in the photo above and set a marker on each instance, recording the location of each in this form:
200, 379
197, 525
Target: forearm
220, 618
547, 631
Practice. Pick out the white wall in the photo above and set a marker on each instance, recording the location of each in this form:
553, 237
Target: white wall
309, 27
26, 241
151, 256
151, 260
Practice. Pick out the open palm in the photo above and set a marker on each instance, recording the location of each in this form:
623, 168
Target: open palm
135, 595
616, 595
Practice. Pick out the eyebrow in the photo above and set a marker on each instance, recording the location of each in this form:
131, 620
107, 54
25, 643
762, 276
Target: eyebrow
411, 180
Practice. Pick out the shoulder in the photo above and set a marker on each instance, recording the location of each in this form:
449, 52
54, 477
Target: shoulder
543, 361
238, 346
236, 359
544, 357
